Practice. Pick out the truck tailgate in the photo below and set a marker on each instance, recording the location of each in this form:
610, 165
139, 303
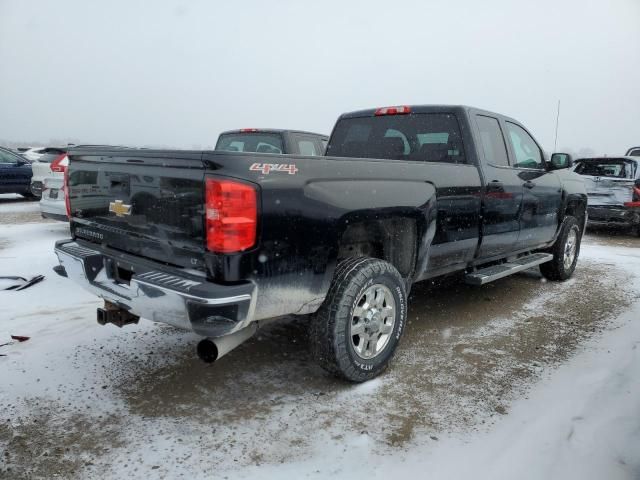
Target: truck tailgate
141, 202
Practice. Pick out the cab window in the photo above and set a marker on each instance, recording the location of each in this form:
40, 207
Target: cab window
526, 150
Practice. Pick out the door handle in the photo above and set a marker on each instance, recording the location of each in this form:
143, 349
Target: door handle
494, 186
529, 184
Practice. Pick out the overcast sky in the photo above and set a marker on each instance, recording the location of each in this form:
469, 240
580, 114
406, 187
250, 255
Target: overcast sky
177, 73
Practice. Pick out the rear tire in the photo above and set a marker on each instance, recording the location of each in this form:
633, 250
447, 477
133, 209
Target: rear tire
355, 332
565, 252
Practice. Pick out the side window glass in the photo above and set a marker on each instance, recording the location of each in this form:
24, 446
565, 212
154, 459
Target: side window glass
495, 150
235, 147
307, 147
7, 159
393, 133
527, 152
324, 145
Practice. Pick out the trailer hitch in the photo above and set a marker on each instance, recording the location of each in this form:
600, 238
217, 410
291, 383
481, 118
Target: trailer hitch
112, 313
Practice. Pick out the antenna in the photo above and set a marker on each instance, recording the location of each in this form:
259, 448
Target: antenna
555, 142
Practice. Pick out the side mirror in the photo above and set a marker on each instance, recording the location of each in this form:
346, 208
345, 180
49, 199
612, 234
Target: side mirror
560, 161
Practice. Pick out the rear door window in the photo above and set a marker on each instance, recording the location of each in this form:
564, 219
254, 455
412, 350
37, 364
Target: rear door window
492, 140
250, 142
427, 137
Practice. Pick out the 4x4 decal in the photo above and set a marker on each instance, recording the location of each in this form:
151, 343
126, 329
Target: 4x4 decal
267, 168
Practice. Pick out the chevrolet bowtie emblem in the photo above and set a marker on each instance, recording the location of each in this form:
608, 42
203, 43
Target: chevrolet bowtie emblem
119, 208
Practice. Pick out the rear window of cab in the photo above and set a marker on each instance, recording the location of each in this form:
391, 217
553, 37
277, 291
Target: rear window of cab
251, 142
427, 137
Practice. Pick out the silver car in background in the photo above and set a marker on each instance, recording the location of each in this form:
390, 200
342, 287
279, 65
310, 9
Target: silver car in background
613, 189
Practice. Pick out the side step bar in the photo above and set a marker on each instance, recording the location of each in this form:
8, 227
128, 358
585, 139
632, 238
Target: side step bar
489, 274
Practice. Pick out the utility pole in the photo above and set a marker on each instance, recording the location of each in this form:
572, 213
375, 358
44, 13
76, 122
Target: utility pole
555, 143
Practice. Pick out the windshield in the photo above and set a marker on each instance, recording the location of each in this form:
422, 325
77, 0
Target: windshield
613, 168
430, 137
250, 142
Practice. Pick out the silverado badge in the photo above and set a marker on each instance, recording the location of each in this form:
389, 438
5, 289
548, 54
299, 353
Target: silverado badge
119, 208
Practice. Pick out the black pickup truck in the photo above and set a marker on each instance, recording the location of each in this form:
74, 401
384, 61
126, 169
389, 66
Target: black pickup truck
221, 242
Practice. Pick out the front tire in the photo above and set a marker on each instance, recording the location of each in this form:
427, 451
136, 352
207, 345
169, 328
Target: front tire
565, 252
355, 332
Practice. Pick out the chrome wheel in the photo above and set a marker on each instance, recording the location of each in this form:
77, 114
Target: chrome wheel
570, 248
372, 321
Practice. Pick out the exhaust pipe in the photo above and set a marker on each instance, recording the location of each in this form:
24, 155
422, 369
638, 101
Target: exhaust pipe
211, 349
113, 314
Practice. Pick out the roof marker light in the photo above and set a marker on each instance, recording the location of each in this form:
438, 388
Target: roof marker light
402, 110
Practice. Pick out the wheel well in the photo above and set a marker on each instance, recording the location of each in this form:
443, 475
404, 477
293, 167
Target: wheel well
391, 239
577, 209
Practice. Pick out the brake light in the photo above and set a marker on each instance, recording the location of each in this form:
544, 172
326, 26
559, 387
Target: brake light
231, 215
635, 199
60, 163
65, 189
393, 111
245, 130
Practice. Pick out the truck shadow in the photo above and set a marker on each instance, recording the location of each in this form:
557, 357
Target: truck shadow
466, 351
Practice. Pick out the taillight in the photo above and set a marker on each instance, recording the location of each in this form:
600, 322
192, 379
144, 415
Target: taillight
231, 215
635, 199
393, 111
65, 188
60, 163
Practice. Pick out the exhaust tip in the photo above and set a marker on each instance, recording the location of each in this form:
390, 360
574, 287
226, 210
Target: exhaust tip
207, 351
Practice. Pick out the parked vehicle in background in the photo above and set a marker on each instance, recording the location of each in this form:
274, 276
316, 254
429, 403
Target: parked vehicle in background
32, 154
221, 242
633, 152
613, 189
15, 173
274, 141
53, 201
42, 167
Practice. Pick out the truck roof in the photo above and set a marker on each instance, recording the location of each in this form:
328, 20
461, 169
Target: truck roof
429, 109
272, 130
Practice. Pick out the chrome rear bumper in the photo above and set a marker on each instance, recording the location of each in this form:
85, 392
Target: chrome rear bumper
157, 292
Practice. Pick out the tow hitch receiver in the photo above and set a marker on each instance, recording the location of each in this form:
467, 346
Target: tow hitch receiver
113, 314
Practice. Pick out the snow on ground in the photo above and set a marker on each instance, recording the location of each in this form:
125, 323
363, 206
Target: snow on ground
518, 379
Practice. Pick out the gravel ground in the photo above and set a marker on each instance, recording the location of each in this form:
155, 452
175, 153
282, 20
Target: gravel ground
467, 353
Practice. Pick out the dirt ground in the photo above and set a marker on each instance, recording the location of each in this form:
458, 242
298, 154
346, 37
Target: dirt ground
466, 354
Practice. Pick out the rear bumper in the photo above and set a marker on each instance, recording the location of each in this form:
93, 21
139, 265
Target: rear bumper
157, 292
615, 215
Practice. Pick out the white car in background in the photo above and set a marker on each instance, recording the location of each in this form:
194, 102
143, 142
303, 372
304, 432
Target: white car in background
613, 190
52, 202
32, 154
42, 167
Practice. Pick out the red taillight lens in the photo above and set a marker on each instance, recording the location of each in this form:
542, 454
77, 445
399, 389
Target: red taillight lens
60, 163
393, 111
65, 188
231, 215
635, 199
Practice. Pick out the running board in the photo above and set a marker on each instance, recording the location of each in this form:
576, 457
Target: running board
489, 274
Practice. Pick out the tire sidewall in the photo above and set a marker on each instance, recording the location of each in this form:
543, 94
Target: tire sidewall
566, 273
372, 366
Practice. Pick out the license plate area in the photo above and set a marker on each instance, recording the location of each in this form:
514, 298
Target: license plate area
53, 193
120, 272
